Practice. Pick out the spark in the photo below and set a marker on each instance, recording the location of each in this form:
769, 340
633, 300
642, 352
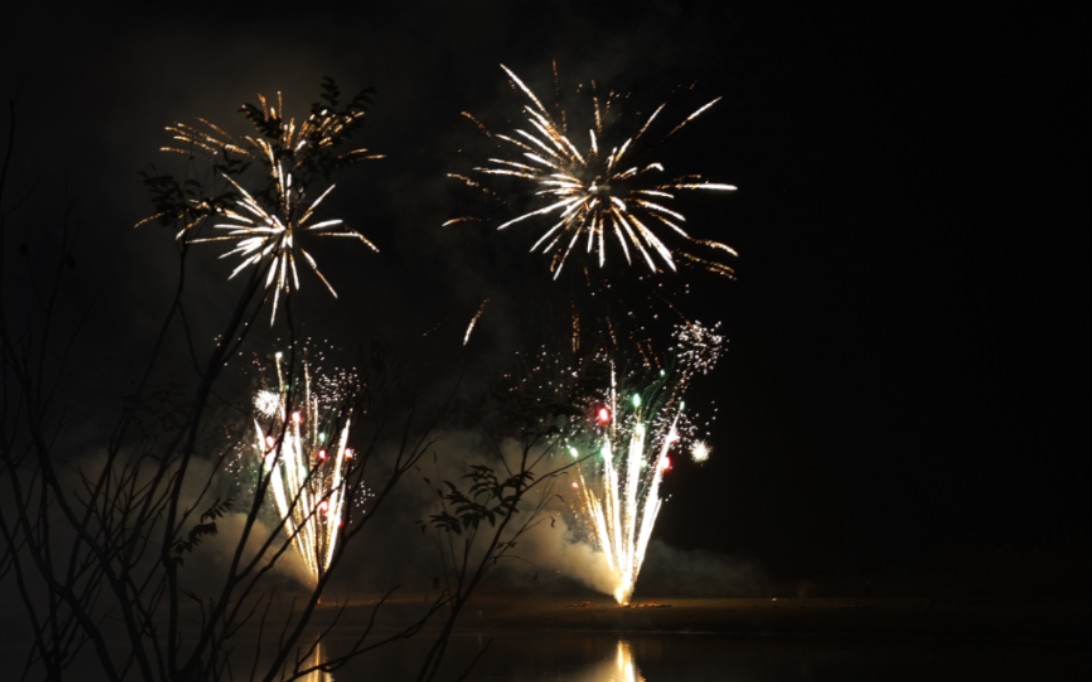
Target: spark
575, 326
697, 347
267, 402
699, 452
594, 193
308, 478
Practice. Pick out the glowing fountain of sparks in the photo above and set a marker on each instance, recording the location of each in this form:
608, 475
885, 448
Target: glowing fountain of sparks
594, 192
307, 474
625, 450
620, 483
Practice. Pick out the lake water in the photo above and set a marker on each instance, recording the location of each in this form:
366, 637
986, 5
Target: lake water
527, 654
655, 657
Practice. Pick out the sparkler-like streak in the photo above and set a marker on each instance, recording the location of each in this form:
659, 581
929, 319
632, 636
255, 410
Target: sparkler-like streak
474, 321
595, 193
269, 231
625, 452
308, 473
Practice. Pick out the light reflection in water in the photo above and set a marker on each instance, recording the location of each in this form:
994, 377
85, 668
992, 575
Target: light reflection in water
313, 661
519, 656
621, 669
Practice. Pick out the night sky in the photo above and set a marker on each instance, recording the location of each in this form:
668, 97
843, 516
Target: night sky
907, 381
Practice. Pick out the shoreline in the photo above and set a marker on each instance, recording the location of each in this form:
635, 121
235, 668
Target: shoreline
836, 618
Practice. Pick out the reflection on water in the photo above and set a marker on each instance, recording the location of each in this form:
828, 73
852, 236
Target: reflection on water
624, 667
553, 656
621, 669
536, 656
315, 674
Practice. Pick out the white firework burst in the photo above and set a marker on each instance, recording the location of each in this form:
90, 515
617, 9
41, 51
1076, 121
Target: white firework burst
594, 194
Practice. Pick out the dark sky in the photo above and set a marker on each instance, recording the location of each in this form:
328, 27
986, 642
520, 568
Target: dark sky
908, 369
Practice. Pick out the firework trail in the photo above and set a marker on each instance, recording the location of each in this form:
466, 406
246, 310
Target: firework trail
269, 229
594, 192
305, 454
624, 450
474, 321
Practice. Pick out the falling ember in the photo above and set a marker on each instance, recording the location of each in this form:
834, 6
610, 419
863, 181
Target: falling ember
596, 194
474, 321
309, 482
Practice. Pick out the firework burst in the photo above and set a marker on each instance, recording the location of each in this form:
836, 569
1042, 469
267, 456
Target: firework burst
261, 235
595, 193
267, 226
311, 145
305, 455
